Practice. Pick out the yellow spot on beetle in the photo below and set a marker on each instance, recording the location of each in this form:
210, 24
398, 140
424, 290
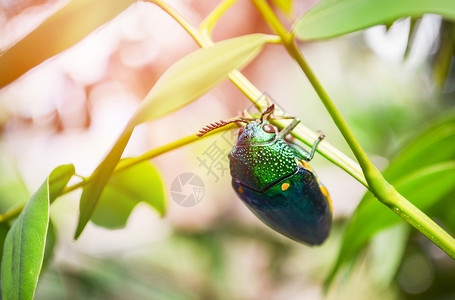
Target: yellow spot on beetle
284, 186
240, 190
306, 165
326, 193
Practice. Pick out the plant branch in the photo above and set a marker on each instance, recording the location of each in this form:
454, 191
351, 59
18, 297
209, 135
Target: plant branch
206, 26
385, 192
302, 133
193, 32
151, 154
11, 214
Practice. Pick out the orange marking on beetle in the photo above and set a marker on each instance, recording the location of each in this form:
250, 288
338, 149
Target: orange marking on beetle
326, 193
284, 186
306, 165
240, 190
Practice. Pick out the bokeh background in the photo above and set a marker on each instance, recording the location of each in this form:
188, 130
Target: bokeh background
72, 107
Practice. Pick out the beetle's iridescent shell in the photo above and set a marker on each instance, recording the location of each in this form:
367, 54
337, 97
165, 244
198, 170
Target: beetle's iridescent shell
278, 187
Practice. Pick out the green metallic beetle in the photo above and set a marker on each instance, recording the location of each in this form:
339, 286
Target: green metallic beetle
272, 177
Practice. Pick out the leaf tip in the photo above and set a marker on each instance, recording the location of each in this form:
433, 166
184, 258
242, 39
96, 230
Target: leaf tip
80, 227
326, 285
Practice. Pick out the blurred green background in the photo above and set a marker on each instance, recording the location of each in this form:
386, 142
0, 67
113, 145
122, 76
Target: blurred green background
390, 84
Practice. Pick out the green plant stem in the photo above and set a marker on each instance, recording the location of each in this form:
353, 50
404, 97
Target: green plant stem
329, 152
206, 26
423, 223
166, 148
385, 192
152, 153
302, 133
192, 31
11, 214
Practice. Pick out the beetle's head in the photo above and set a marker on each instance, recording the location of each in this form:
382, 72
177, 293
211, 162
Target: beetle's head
256, 132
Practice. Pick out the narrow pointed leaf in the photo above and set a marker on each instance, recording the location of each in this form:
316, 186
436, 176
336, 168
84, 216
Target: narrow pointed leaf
371, 216
436, 144
387, 250
331, 18
185, 81
125, 189
62, 30
421, 172
23, 250
92, 191
196, 74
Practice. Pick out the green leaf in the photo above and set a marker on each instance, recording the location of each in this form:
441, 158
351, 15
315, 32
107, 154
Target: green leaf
197, 73
436, 144
423, 188
57, 33
422, 172
24, 245
444, 54
4, 228
387, 250
93, 189
58, 180
50, 244
185, 81
125, 189
331, 18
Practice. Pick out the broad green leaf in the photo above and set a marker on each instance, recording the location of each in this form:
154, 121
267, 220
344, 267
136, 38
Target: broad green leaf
197, 73
125, 189
50, 244
24, 245
423, 188
62, 30
185, 81
331, 18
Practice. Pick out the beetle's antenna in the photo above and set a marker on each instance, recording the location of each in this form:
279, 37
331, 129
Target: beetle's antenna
269, 111
216, 125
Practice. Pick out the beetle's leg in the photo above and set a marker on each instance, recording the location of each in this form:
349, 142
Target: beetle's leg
315, 145
302, 153
287, 130
299, 151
